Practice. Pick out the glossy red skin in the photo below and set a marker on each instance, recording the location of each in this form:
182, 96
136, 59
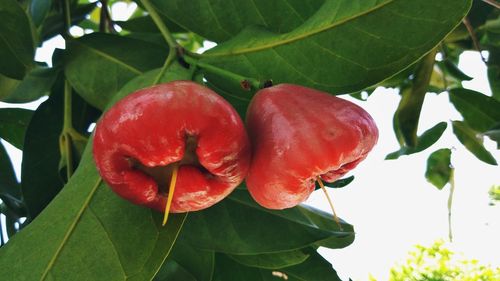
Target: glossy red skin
298, 134
151, 126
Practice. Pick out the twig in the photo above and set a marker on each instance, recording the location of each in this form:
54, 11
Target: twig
473, 36
492, 3
105, 18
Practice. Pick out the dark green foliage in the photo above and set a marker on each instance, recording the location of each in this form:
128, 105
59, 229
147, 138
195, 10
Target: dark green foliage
77, 229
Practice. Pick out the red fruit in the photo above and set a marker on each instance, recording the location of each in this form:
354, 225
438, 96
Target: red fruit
299, 134
141, 138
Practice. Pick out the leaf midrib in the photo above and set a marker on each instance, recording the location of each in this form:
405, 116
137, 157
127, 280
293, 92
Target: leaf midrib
299, 36
70, 229
337, 232
111, 58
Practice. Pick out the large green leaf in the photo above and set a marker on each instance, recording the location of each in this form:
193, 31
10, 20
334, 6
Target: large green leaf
439, 167
473, 141
237, 225
16, 40
94, 235
98, 65
479, 111
35, 84
40, 179
346, 46
13, 124
315, 268
424, 141
219, 20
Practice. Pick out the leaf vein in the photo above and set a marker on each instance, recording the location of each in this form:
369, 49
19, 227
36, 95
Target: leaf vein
299, 36
70, 230
113, 59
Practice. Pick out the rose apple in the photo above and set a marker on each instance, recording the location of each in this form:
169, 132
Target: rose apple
300, 135
141, 140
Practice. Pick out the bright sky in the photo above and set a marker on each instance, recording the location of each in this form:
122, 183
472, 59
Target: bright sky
390, 203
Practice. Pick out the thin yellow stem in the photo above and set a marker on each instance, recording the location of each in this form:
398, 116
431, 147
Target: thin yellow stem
335, 217
171, 190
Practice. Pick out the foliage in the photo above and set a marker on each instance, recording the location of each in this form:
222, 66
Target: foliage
439, 263
494, 193
76, 229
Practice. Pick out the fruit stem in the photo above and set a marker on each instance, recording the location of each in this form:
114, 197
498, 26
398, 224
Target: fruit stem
242, 80
335, 217
172, 44
171, 190
171, 56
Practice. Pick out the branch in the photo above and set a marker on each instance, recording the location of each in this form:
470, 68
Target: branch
492, 3
473, 36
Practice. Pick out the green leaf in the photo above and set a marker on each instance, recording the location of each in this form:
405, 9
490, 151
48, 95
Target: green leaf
175, 72
185, 259
220, 20
494, 72
345, 46
98, 65
315, 268
230, 227
272, 260
336, 184
408, 112
450, 68
16, 40
40, 179
13, 124
36, 83
494, 134
94, 235
39, 10
473, 142
54, 23
439, 168
172, 270
479, 111
427, 139
239, 102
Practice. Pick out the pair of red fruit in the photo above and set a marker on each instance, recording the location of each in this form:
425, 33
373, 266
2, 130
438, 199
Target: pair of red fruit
184, 138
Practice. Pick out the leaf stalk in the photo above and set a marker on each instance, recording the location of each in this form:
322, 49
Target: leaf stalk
172, 44
245, 82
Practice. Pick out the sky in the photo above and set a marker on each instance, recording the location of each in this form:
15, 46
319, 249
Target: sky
390, 204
